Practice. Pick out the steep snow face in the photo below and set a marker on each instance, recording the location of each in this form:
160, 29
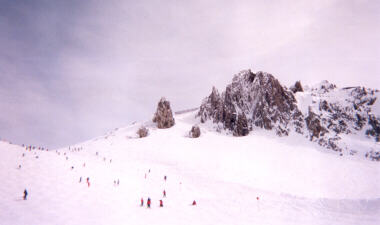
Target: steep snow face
253, 100
344, 120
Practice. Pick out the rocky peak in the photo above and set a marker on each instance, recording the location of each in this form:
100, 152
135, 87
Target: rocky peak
252, 100
212, 107
323, 87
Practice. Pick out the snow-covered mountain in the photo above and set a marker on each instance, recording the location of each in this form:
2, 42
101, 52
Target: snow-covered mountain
250, 177
255, 179
345, 120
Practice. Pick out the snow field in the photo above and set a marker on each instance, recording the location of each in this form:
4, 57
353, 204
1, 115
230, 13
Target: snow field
296, 182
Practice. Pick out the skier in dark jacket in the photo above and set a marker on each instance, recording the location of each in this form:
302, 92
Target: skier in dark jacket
25, 194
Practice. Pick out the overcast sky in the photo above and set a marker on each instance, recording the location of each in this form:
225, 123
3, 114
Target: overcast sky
73, 70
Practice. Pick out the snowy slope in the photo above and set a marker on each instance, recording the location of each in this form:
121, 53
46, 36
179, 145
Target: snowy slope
296, 182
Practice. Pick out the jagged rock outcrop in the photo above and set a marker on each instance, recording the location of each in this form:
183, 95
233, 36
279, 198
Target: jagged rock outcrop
374, 131
252, 100
323, 87
195, 132
341, 112
313, 124
332, 117
142, 132
212, 107
372, 155
297, 87
164, 115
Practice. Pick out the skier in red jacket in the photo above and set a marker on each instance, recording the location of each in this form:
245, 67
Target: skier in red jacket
161, 203
142, 202
148, 203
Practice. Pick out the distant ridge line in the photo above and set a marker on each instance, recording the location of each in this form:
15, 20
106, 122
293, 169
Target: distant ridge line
185, 111
345, 88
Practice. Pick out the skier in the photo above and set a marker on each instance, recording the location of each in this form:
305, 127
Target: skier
258, 203
80, 179
165, 177
148, 203
142, 202
194, 203
164, 193
25, 194
161, 204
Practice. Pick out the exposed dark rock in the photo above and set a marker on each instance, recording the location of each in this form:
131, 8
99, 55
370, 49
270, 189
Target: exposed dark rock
164, 116
252, 100
325, 87
212, 107
375, 127
297, 87
371, 101
143, 132
323, 105
313, 124
241, 128
360, 121
373, 155
195, 132
258, 100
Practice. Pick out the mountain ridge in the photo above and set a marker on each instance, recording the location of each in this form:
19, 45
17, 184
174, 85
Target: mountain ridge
323, 113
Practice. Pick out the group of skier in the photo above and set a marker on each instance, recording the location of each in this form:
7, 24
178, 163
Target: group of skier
116, 183
161, 203
30, 148
149, 202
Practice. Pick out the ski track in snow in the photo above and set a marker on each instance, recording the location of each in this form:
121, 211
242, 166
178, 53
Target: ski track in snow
295, 181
